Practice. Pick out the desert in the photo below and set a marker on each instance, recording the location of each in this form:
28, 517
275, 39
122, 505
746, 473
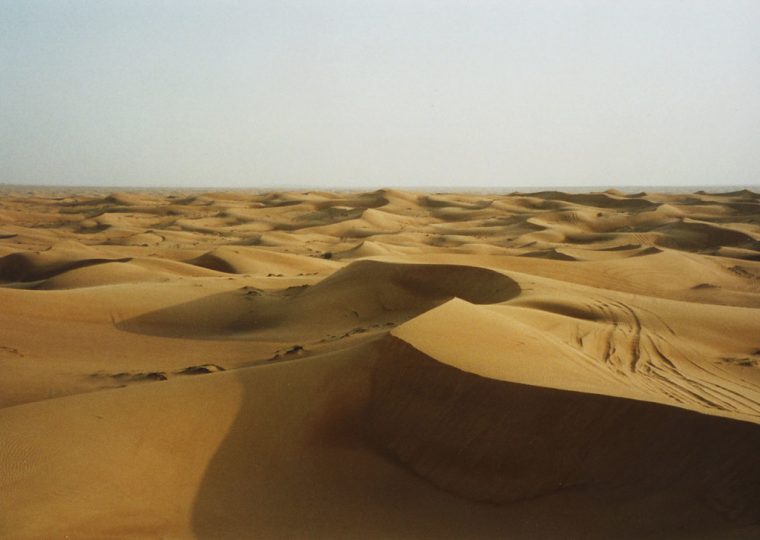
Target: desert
379, 364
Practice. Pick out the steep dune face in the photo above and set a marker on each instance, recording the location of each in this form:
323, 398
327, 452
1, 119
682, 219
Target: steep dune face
23, 267
694, 235
409, 284
497, 441
261, 262
362, 296
379, 365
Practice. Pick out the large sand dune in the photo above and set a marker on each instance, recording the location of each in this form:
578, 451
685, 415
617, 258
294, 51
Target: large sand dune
379, 365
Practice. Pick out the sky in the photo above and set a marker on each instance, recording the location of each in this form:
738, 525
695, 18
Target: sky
364, 93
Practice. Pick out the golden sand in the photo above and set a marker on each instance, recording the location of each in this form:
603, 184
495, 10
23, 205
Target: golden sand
386, 364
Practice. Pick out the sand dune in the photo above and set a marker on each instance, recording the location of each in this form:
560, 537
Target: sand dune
385, 364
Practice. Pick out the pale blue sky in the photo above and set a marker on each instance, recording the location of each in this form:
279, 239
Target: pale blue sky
380, 93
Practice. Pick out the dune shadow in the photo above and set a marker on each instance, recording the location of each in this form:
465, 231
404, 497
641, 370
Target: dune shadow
364, 292
389, 443
27, 267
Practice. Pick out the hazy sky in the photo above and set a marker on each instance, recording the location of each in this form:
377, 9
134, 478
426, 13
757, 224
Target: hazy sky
379, 93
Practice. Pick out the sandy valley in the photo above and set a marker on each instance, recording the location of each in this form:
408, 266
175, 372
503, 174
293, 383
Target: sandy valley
384, 364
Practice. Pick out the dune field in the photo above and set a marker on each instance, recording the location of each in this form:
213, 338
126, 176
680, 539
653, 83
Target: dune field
380, 365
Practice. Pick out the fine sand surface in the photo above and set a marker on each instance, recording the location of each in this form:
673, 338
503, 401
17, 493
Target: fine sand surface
385, 364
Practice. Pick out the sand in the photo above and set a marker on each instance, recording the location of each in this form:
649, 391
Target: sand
385, 364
